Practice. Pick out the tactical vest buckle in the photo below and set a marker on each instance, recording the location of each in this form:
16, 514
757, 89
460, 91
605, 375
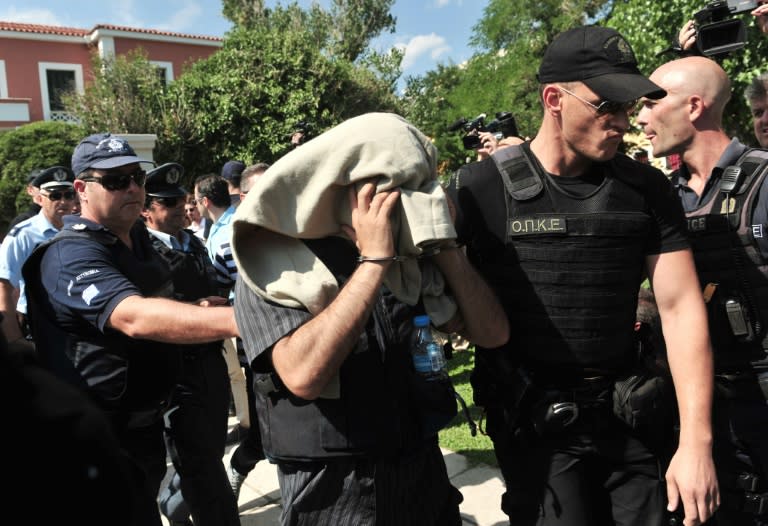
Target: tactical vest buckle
748, 482
756, 504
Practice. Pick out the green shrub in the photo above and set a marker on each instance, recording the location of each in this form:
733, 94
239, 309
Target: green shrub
28, 147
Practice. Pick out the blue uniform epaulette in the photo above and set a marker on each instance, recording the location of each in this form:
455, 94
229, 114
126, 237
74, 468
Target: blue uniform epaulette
18, 228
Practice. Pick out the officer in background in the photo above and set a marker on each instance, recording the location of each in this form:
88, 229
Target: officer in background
232, 172
33, 193
727, 227
564, 229
757, 98
198, 415
101, 312
57, 199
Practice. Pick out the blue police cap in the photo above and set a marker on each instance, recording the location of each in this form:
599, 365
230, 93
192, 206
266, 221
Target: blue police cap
53, 177
164, 181
103, 151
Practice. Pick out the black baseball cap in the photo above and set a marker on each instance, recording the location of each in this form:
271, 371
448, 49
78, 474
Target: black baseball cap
163, 181
600, 58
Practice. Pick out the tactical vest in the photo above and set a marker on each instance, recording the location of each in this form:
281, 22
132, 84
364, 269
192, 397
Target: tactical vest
567, 268
726, 252
193, 274
122, 375
193, 278
384, 408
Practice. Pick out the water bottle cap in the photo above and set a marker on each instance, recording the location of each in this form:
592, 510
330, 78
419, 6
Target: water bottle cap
421, 321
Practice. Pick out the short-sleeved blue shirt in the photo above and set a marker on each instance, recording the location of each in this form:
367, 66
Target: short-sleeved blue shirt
18, 244
221, 232
82, 279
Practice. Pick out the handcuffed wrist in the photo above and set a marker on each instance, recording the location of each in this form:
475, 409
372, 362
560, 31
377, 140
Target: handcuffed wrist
381, 259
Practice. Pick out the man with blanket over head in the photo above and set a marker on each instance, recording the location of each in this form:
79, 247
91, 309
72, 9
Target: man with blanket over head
340, 244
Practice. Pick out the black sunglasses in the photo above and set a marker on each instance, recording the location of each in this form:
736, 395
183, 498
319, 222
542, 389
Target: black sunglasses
114, 181
56, 195
168, 202
605, 107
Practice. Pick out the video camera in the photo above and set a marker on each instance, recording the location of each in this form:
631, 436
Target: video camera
718, 33
503, 125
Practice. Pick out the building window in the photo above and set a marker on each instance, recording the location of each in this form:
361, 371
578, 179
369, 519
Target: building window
164, 71
59, 83
3, 81
56, 79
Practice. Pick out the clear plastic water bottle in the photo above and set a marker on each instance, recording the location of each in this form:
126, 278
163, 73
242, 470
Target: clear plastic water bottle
426, 351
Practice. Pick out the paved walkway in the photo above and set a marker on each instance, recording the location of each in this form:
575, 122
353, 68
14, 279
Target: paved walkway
481, 486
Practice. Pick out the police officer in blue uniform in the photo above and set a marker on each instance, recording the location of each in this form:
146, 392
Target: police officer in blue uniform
102, 311
565, 230
57, 197
197, 419
722, 186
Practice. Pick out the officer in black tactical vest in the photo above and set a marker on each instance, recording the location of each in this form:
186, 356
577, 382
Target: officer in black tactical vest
102, 314
722, 187
197, 418
565, 229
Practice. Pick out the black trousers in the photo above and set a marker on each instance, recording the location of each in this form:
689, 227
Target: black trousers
197, 433
594, 473
740, 427
146, 447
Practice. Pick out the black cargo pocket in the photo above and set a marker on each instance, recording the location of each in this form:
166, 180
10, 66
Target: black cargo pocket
645, 403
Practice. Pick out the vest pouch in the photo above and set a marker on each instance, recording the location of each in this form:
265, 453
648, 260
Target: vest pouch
434, 400
644, 402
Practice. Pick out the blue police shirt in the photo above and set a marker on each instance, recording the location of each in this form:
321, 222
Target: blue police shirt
81, 277
221, 232
18, 244
172, 242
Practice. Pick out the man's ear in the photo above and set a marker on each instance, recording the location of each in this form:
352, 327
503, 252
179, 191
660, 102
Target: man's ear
695, 107
551, 98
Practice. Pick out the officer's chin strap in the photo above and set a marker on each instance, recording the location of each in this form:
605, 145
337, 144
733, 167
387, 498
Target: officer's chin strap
467, 416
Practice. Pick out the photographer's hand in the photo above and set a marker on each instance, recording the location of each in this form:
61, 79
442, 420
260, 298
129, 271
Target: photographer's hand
489, 144
686, 38
762, 16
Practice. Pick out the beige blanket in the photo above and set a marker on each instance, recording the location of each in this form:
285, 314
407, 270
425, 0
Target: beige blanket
305, 195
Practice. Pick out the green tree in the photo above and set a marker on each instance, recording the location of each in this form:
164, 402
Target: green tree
26, 148
356, 22
277, 67
124, 96
128, 95
244, 13
248, 96
345, 31
652, 26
